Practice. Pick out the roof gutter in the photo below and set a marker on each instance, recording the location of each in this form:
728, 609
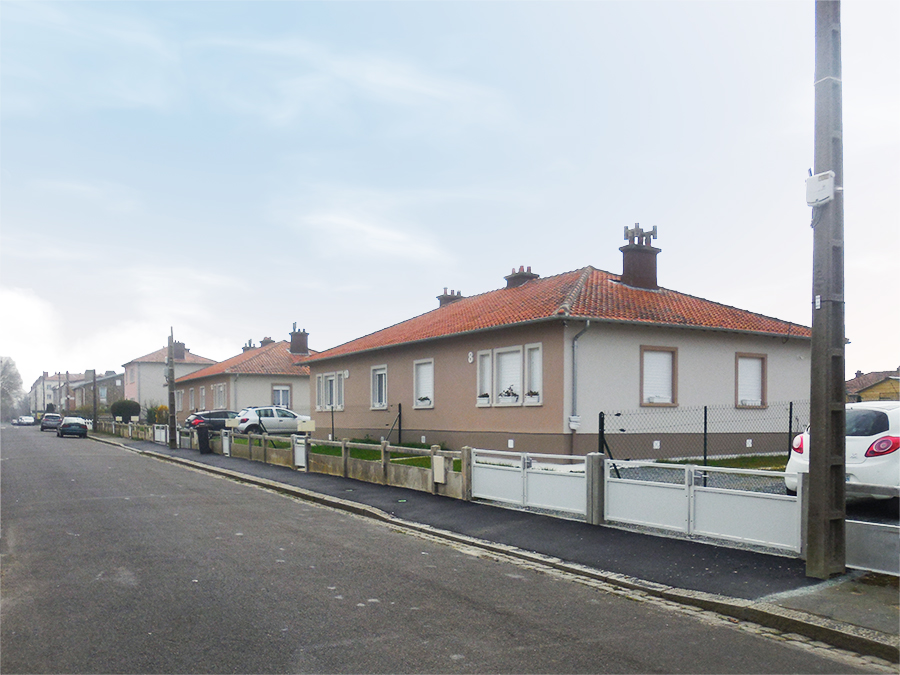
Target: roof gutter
574, 419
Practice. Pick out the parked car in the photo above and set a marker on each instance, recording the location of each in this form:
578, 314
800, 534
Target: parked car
211, 419
24, 420
72, 426
270, 419
871, 446
50, 421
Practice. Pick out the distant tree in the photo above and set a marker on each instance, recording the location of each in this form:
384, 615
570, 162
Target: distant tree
125, 408
50, 408
162, 414
10, 388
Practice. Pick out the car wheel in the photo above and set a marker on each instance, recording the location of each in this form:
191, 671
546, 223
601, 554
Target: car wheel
790, 493
254, 430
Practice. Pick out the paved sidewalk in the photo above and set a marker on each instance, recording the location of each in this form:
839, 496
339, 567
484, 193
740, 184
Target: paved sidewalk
856, 611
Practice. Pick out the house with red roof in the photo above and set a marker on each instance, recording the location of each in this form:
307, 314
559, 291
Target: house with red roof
881, 385
273, 373
145, 376
529, 366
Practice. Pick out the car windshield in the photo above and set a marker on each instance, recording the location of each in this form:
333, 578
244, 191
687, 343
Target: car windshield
866, 422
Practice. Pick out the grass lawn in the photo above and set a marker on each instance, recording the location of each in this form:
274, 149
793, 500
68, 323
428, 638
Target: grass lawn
272, 443
375, 456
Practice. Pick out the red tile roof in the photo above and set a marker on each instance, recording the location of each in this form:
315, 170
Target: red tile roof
866, 380
587, 293
160, 355
271, 359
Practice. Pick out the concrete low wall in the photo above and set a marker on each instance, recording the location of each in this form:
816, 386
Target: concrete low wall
385, 472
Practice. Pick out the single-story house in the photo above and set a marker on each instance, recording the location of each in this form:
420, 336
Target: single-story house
531, 365
882, 385
145, 376
271, 374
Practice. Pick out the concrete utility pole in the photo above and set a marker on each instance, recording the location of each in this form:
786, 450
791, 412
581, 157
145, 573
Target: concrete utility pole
170, 380
826, 545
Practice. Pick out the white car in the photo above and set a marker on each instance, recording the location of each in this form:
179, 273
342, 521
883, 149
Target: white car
872, 444
270, 419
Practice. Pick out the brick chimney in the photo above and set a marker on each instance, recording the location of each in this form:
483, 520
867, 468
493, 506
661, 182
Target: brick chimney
247, 347
299, 341
446, 298
516, 279
266, 341
639, 258
178, 351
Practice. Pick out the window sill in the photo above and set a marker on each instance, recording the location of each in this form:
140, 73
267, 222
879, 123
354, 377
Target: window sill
659, 405
533, 400
483, 402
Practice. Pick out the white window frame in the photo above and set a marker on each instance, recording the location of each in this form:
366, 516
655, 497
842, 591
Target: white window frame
650, 394
500, 387
750, 380
379, 404
484, 376
219, 402
533, 377
203, 398
191, 399
179, 400
422, 365
281, 389
336, 382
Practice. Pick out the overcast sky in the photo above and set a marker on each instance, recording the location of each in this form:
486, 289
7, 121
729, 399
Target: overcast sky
229, 168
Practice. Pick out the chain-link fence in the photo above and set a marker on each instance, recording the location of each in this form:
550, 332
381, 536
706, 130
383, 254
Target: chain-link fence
703, 433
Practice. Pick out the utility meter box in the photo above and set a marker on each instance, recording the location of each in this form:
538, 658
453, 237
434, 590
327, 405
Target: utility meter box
820, 188
307, 426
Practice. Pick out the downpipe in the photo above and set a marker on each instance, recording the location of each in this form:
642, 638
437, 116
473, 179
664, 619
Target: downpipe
574, 419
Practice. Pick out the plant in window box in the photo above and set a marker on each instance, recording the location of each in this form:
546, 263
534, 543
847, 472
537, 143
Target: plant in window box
508, 395
424, 400
532, 396
484, 399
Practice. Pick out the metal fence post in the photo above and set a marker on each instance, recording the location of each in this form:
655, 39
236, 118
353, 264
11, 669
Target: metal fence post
345, 455
790, 428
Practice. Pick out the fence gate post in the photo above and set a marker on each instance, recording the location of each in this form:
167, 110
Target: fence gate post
594, 473
466, 468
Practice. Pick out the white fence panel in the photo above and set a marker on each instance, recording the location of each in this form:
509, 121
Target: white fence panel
298, 444
751, 517
873, 546
651, 504
733, 504
556, 491
499, 483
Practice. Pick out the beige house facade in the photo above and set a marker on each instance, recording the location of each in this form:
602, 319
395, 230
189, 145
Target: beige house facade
529, 367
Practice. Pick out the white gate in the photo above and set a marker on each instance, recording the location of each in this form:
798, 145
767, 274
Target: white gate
161, 433
734, 504
555, 482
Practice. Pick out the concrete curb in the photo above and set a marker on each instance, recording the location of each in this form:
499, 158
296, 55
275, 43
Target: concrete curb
841, 635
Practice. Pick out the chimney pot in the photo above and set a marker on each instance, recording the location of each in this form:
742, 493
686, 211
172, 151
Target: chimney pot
446, 298
518, 278
299, 341
639, 259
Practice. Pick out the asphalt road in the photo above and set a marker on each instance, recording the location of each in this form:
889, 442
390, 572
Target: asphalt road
117, 563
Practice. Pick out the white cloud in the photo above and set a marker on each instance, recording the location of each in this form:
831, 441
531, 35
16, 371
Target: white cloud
282, 81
